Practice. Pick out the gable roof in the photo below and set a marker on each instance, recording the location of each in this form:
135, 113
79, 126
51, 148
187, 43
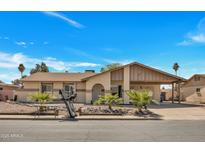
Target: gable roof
8, 85
56, 76
69, 77
201, 75
142, 65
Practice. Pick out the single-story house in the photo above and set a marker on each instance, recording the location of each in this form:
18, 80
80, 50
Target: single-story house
7, 91
194, 89
90, 85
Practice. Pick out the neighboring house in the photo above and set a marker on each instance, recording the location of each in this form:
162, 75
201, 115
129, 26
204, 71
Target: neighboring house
89, 85
7, 91
166, 94
194, 89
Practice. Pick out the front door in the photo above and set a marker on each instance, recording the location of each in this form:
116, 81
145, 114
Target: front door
97, 91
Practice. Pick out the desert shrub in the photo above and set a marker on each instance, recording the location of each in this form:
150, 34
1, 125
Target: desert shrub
40, 97
139, 99
108, 100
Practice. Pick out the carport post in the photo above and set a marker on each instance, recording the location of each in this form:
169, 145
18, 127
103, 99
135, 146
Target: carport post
179, 93
172, 92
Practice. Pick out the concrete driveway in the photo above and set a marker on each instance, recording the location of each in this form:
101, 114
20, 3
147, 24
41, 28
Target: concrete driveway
183, 111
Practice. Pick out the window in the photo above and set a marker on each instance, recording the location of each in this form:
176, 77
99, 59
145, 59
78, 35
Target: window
46, 87
1, 88
198, 90
68, 87
116, 89
197, 78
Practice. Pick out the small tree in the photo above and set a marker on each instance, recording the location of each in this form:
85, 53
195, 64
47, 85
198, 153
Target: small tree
109, 100
139, 98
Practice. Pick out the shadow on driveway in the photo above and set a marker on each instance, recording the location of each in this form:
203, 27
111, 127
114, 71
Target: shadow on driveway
167, 105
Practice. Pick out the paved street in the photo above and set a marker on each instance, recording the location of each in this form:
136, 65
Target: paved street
161, 130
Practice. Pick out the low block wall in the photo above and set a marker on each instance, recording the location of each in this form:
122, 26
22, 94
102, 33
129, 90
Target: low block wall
6, 95
23, 95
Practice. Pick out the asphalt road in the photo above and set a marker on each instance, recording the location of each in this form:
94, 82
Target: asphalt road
25, 130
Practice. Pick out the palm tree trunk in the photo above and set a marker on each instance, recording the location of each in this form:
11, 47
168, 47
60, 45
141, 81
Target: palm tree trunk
110, 107
140, 110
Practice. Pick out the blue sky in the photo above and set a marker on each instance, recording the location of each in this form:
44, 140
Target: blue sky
76, 41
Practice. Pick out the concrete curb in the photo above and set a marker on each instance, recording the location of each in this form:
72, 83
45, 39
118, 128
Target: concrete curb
31, 119
77, 118
119, 119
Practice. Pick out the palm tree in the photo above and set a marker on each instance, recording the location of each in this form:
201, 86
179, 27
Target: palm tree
139, 99
21, 69
176, 67
109, 100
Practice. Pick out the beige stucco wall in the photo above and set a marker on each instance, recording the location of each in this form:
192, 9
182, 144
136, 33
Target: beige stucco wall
155, 89
8, 87
80, 89
126, 83
192, 82
23, 95
29, 88
6, 94
103, 79
81, 85
189, 93
33, 87
57, 85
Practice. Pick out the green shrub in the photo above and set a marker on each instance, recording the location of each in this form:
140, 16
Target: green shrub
109, 100
139, 98
40, 97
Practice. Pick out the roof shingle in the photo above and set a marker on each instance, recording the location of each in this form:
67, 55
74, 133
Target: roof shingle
55, 76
